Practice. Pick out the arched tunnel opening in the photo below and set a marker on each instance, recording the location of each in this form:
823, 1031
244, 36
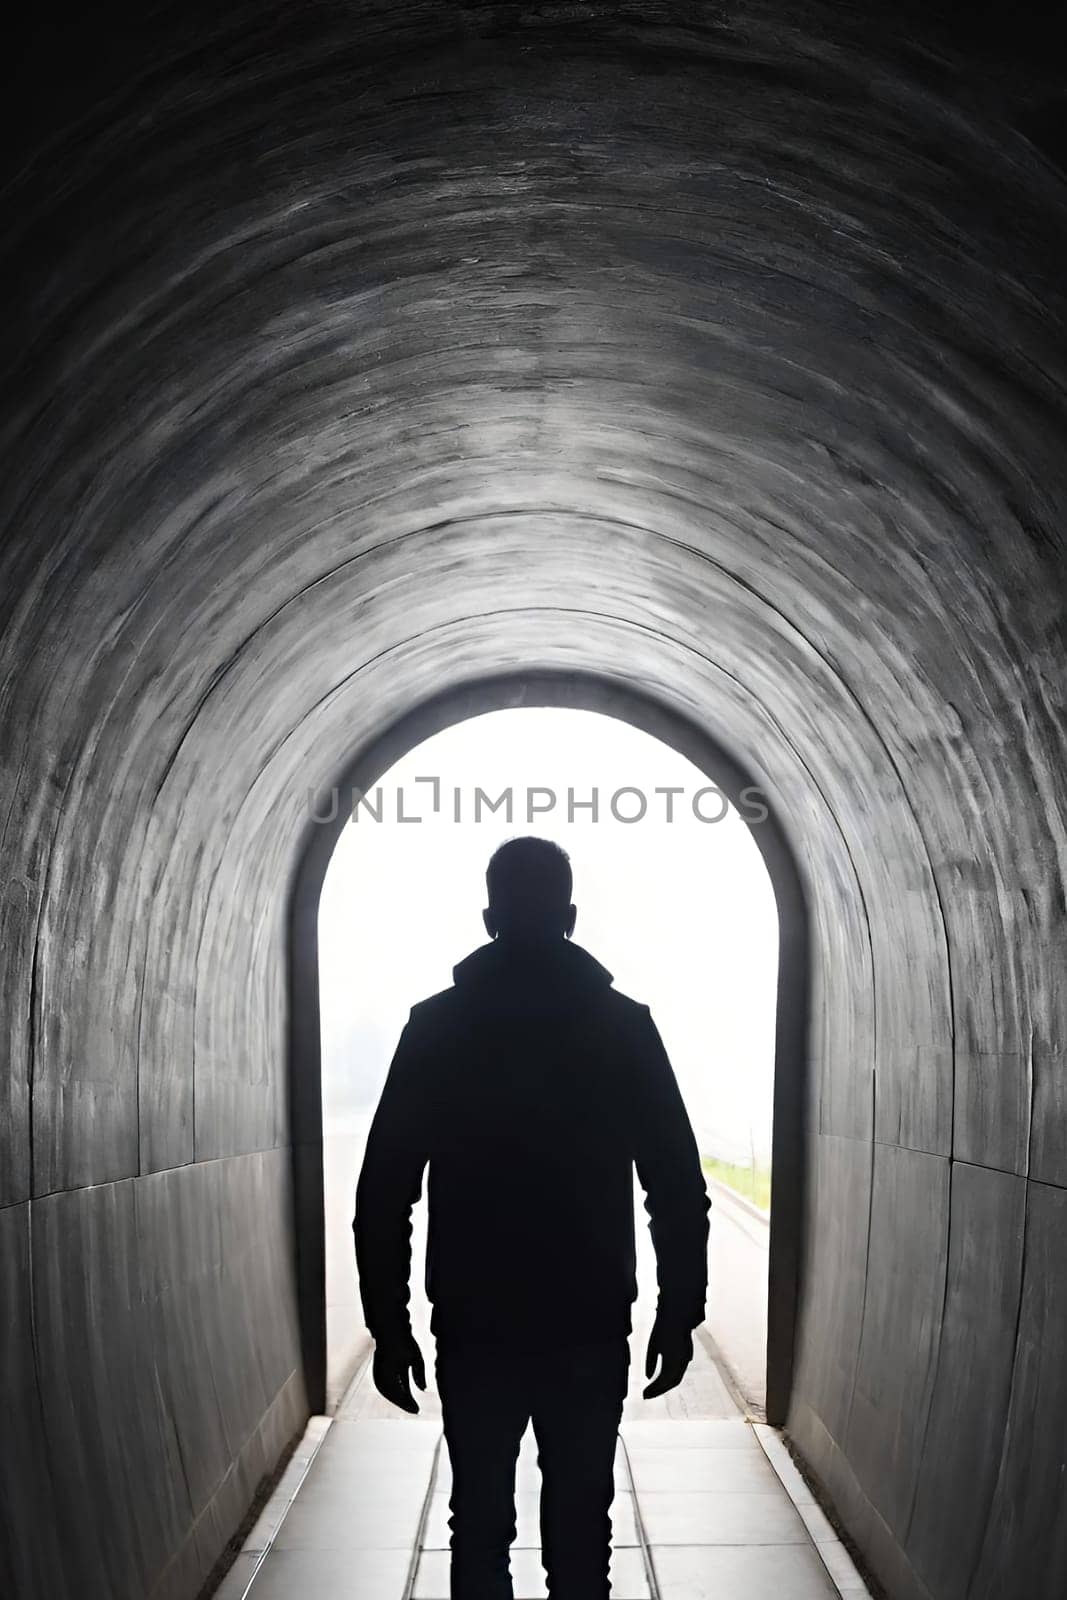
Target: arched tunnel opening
708, 361
674, 895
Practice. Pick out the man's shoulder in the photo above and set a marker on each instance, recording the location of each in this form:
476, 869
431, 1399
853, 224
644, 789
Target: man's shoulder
448, 1005
627, 1008
623, 1023
433, 1007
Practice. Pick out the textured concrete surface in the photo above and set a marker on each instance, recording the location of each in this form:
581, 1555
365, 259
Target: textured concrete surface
350, 352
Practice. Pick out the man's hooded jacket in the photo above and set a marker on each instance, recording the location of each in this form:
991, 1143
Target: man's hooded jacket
530, 1089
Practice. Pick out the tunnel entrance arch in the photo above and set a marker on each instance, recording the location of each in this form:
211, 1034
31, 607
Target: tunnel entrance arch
627, 703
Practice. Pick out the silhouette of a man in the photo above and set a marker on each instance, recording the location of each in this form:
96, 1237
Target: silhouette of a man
530, 1088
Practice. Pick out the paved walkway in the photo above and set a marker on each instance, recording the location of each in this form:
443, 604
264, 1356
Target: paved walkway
707, 1504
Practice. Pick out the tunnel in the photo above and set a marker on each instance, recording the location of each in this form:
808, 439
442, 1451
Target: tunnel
366, 365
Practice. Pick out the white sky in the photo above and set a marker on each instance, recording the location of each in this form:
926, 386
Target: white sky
682, 912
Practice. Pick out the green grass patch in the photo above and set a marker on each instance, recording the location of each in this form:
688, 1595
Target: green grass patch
753, 1183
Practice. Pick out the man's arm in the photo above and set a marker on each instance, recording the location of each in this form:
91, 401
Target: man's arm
677, 1202
390, 1182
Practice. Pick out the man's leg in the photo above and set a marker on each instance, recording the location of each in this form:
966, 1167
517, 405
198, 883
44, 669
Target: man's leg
578, 1400
484, 1411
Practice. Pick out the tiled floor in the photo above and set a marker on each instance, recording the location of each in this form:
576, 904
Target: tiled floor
708, 1509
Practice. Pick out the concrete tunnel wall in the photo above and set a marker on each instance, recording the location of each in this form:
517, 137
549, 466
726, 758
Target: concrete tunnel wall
354, 352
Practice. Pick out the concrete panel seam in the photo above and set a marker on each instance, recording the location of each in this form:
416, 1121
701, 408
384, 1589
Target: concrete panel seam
906, 1531
870, 1223
31, 1306
642, 1533
1006, 1436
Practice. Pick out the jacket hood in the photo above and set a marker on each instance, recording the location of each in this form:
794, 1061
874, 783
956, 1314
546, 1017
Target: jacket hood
496, 962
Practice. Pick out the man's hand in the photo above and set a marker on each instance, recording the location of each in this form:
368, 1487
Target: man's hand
674, 1347
393, 1360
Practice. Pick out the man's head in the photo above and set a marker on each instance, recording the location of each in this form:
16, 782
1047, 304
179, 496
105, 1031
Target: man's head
529, 883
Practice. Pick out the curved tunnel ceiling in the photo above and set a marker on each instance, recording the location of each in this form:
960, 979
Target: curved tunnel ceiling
355, 352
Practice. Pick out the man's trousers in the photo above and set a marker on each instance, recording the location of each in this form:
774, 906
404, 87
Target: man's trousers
574, 1396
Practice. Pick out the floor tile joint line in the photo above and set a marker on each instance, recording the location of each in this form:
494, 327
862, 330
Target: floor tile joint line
427, 1501
642, 1536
